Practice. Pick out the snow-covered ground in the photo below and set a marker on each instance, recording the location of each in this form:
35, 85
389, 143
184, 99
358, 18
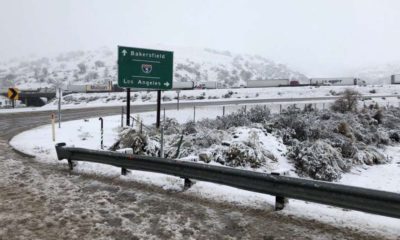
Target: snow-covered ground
86, 133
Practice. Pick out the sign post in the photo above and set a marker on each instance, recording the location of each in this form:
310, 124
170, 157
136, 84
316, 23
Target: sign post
158, 108
128, 106
145, 69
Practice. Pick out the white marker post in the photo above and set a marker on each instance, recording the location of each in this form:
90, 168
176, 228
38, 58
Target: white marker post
53, 128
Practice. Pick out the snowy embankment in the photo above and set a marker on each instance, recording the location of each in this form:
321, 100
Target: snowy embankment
86, 133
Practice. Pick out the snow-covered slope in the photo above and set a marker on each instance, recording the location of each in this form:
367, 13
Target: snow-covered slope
379, 74
99, 66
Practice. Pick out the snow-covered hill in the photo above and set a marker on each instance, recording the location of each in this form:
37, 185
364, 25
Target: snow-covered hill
379, 74
99, 66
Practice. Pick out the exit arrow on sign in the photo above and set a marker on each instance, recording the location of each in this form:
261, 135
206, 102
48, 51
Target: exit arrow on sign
13, 93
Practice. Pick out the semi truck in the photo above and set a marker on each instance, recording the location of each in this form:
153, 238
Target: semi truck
208, 85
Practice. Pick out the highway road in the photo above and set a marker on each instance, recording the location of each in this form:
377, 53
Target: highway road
46, 201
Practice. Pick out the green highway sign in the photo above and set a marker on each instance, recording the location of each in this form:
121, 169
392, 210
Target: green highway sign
145, 68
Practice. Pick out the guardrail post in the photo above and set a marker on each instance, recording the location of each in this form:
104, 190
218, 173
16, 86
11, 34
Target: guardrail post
187, 184
280, 201
70, 165
123, 171
223, 110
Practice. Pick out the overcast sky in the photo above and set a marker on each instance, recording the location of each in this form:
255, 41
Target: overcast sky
316, 37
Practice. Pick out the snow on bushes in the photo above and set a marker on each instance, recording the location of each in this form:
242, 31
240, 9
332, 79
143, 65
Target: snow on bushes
320, 144
319, 160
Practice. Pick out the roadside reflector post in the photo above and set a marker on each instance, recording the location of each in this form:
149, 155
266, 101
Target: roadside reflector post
280, 201
53, 127
162, 137
177, 92
162, 143
101, 133
194, 114
122, 116
223, 110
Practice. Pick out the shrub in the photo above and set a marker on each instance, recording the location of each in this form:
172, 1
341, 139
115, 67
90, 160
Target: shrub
347, 102
319, 160
258, 114
344, 129
378, 116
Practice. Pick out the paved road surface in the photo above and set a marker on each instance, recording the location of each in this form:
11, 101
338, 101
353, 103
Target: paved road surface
39, 201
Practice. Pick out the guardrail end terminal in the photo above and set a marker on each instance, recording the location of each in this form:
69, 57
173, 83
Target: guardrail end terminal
61, 152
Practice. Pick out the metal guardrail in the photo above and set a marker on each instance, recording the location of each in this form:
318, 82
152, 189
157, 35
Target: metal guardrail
355, 198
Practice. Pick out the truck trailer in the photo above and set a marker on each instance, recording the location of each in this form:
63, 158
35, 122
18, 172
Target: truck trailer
183, 85
395, 79
342, 81
267, 83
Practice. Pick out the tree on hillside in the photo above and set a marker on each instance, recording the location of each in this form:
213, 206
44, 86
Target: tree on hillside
99, 64
82, 68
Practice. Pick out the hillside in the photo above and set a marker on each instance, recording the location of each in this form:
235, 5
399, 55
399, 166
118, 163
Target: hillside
379, 74
99, 66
